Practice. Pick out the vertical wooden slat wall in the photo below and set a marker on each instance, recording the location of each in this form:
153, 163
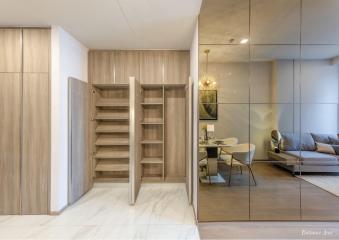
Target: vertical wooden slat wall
25, 122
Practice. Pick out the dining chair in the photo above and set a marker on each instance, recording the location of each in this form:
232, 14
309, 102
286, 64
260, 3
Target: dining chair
223, 150
203, 162
241, 155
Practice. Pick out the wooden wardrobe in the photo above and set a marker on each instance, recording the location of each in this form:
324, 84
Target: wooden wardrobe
160, 114
25, 120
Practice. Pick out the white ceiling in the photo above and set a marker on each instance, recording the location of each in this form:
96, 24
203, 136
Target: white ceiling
111, 24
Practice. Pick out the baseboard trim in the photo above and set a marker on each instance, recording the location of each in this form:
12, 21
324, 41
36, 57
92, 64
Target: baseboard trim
56, 213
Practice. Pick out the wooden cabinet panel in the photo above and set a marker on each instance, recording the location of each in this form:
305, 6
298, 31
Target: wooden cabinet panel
175, 133
10, 112
35, 143
151, 67
10, 50
101, 64
80, 169
36, 52
126, 65
176, 67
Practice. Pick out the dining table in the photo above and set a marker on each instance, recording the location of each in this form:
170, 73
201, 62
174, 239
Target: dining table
212, 147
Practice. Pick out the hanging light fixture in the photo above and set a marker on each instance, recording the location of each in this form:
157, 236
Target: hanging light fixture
207, 82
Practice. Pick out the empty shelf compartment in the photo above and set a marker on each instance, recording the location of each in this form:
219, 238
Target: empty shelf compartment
112, 116
105, 141
112, 155
119, 103
152, 103
150, 160
111, 167
151, 142
112, 129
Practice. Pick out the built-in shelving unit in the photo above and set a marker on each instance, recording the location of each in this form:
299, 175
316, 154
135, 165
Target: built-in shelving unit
111, 135
152, 137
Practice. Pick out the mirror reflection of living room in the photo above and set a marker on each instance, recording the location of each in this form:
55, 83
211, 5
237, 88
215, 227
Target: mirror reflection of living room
273, 104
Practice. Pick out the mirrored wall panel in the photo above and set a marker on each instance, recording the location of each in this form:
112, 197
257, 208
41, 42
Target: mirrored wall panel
268, 110
319, 109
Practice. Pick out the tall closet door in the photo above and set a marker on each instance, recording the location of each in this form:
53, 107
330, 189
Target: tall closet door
79, 167
35, 135
36, 121
36, 50
10, 143
10, 105
10, 50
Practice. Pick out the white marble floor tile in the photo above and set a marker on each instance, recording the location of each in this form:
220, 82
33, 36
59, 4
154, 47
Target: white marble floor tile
62, 232
157, 232
122, 232
16, 232
26, 220
170, 206
161, 212
4, 219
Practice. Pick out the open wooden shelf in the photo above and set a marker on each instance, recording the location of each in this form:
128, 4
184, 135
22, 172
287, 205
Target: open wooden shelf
152, 160
104, 141
105, 179
152, 142
110, 109
112, 116
152, 123
152, 104
112, 155
151, 179
111, 167
112, 129
113, 103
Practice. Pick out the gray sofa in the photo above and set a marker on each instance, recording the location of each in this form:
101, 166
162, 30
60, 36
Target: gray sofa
298, 152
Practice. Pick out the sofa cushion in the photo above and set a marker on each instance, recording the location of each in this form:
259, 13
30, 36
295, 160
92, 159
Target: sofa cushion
323, 138
334, 141
296, 142
325, 148
314, 158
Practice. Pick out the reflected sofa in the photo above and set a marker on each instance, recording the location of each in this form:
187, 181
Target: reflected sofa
304, 152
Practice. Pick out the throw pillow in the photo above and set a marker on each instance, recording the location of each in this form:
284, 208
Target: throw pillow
325, 148
321, 138
297, 142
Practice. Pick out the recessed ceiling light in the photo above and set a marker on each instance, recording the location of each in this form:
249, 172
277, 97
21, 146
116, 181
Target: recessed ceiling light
244, 41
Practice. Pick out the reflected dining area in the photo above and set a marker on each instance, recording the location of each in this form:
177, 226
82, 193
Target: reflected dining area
215, 152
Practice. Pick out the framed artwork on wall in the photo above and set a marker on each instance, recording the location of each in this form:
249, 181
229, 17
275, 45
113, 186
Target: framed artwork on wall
208, 107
